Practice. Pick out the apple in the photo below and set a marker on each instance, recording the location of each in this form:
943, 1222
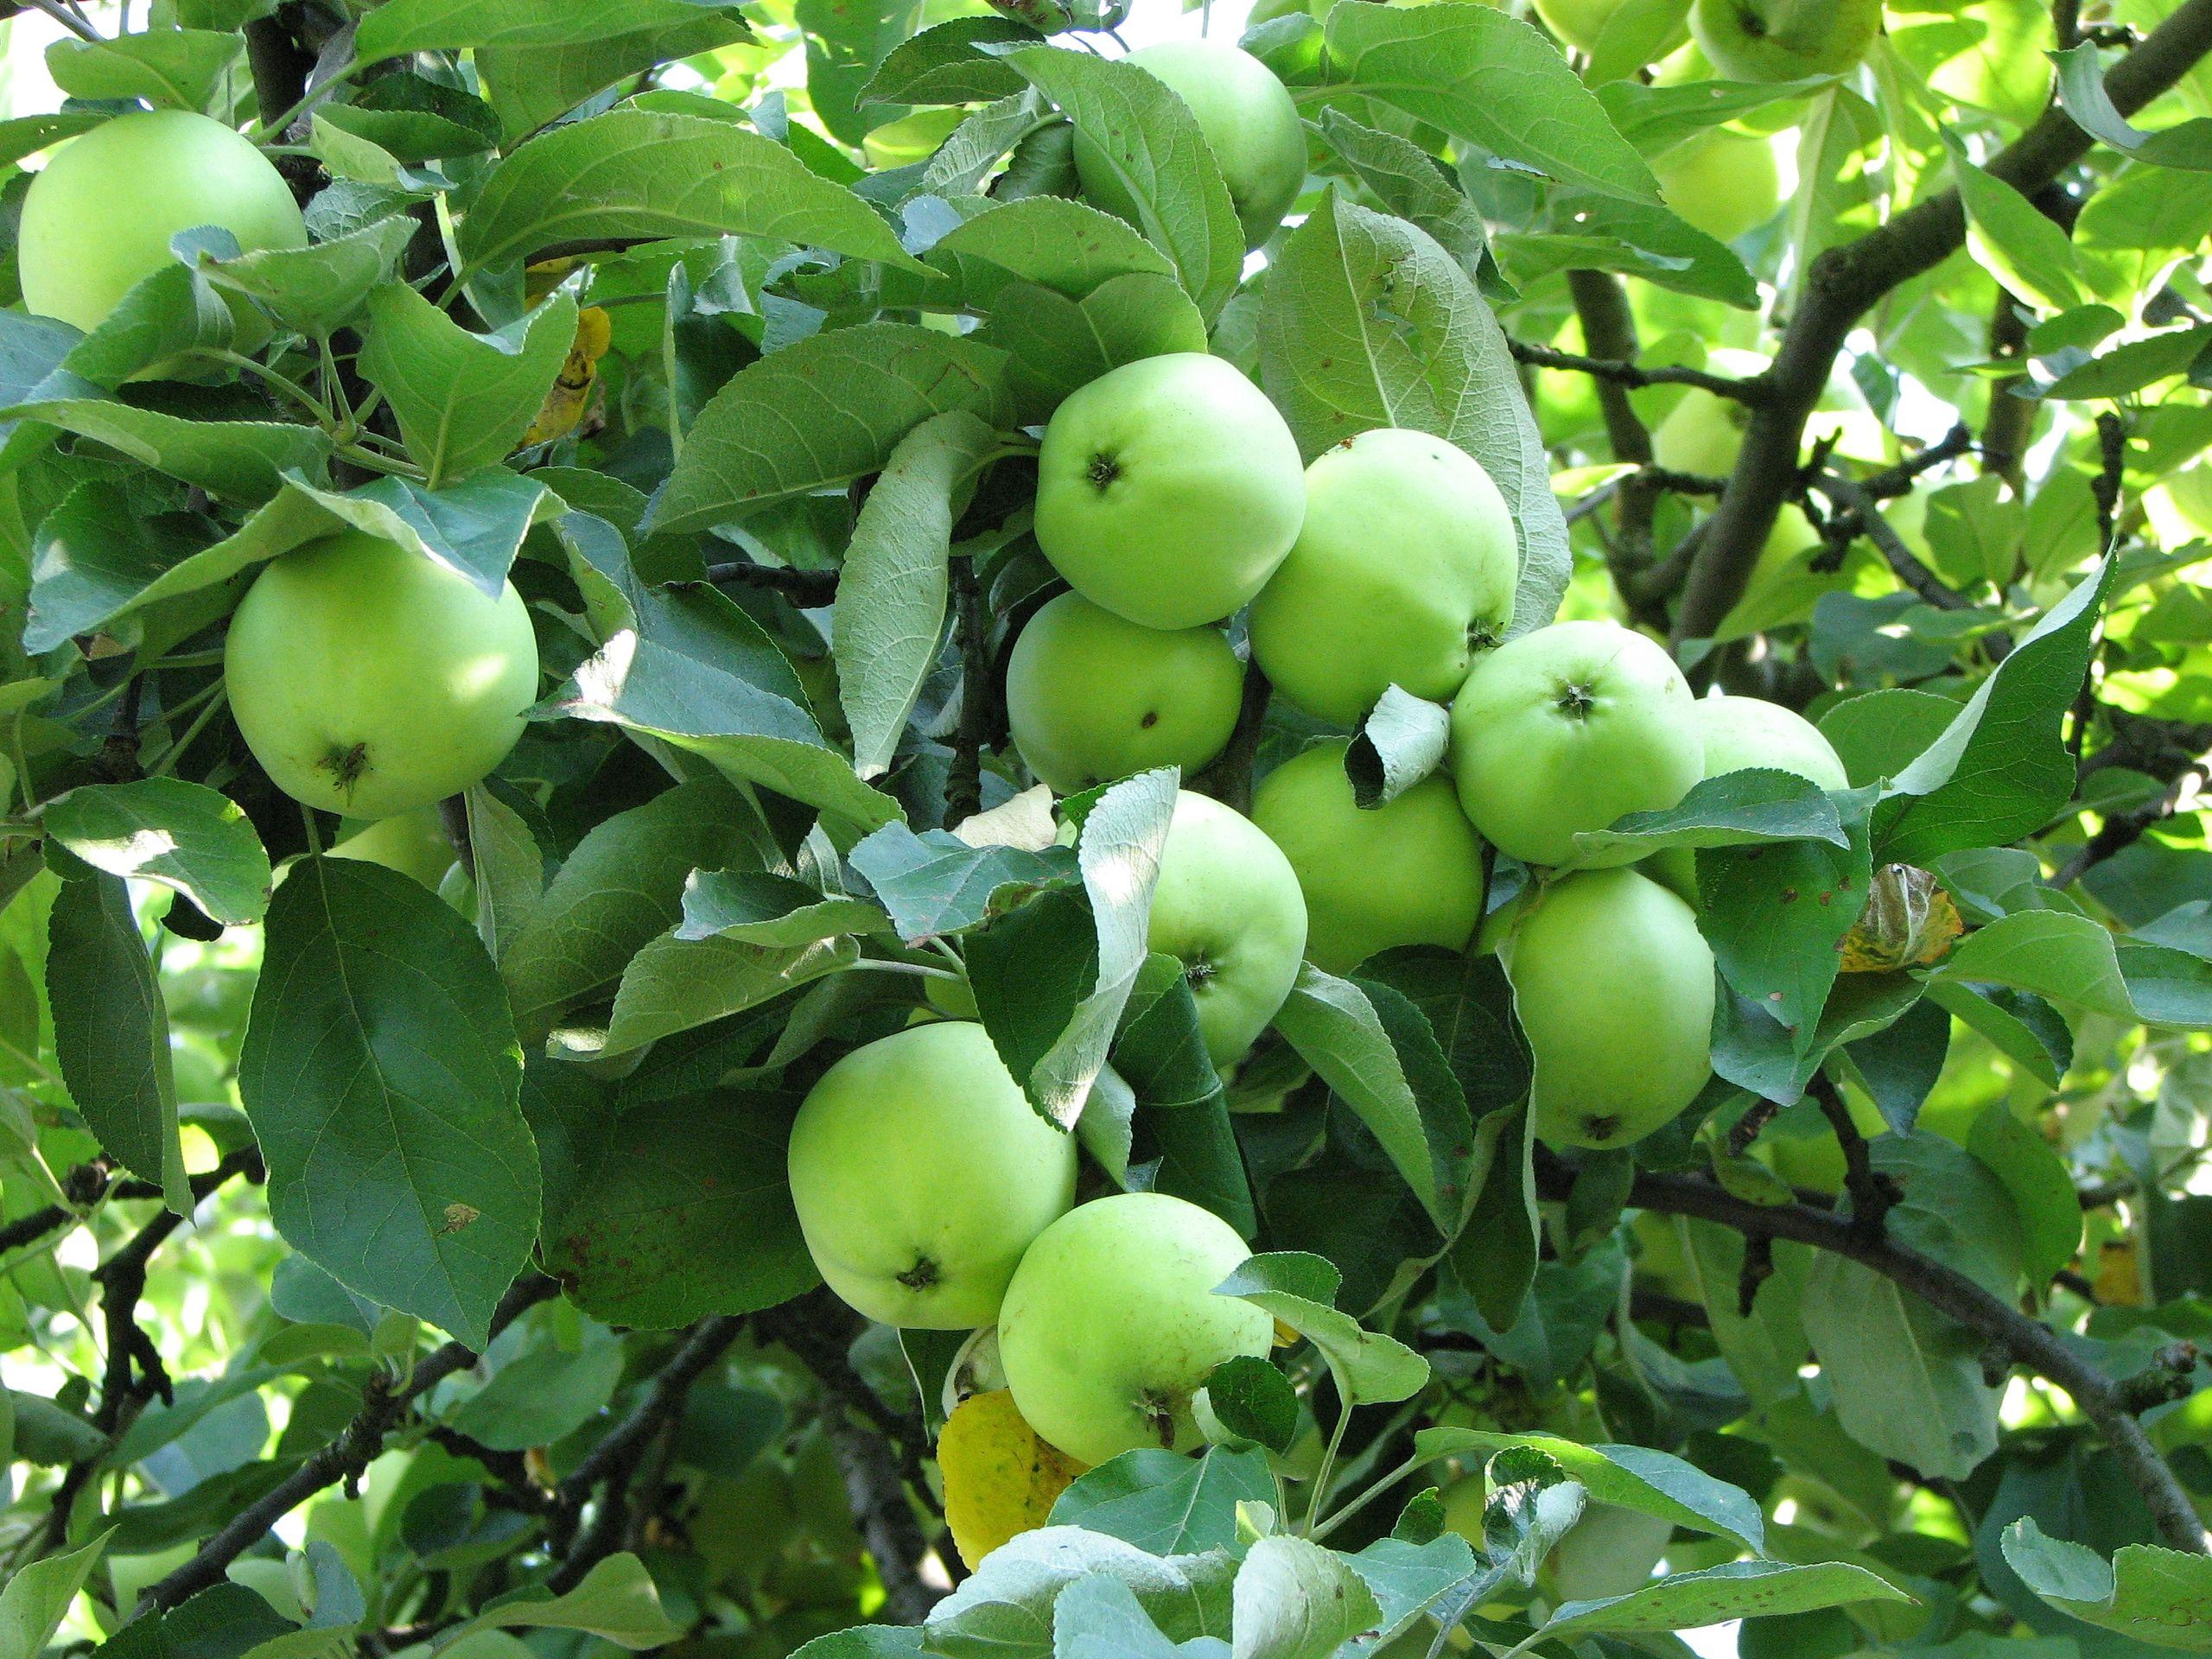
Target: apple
98, 219
1721, 182
1402, 574
1704, 432
1613, 985
1581, 23
369, 680
1091, 697
920, 1173
1567, 729
1407, 872
1742, 732
1785, 39
1111, 1324
1610, 1552
1247, 118
414, 843
1168, 489
1228, 905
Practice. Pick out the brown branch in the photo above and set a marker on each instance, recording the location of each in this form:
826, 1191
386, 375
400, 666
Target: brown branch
1845, 281
1228, 778
1863, 516
808, 589
344, 1459
1873, 1194
613, 1463
971, 632
2025, 1341
1621, 372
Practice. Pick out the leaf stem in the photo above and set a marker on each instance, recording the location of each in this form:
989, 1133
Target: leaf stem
1381, 1484
1328, 1464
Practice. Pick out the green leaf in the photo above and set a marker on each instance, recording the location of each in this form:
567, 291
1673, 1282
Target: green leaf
380, 1071
184, 835
1370, 1045
1401, 741
2025, 251
2071, 959
1254, 1401
509, 868
1165, 1502
1492, 80
241, 461
763, 909
2138, 363
942, 65
620, 889
111, 1031
463, 401
2146, 1593
2041, 1186
35, 1601
170, 69
632, 174
1907, 1382
531, 85
2000, 769
316, 289
1055, 345
1181, 1121
1739, 808
544, 1394
1735, 1590
1004, 1610
1297, 1600
1148, 136
1367, 322
935, 884
402, 26
1369, 1367
2025, 1028
891, 597
821, 413
1627, 1476
658, 1212
2081, 90
1409, 181
675, 983
616, 1602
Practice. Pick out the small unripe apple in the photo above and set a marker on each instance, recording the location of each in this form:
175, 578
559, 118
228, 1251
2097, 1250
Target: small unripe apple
1743, 732
1245, 114
1402, 574
1614, 986
1228, 905
97, 219
1581, 23
1407, 872
1111, 1324
1610, 1552
1785, 39
920, 1173
368, 679
1567, 729
1704, 432
1168, 489
1091, 697
1721, 182
414, 843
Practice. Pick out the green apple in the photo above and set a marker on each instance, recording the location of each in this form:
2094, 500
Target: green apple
1407, 872
1111, 1324
1721, 182
1567, 729
1742, 732
98, 219
1228, 905
1247, 118
920, 1173
1704, 432
1091, 697
1610, 1552
1785, 39
1613, 985
369, 680
414, 843
1581, 23
1168, 489
1403, 572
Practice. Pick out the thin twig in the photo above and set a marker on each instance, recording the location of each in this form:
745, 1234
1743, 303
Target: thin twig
808, 589
971, 632
1749, 389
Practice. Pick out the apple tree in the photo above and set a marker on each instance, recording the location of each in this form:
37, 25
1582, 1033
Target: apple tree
1056, 829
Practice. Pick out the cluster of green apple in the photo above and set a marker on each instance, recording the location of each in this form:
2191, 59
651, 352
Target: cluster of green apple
367, 680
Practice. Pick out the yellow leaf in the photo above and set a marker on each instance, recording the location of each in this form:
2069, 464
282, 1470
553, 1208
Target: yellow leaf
1909, 923
2119, 1281
564, 404
1000, 1479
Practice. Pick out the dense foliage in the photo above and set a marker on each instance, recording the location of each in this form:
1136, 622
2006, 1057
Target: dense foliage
401, 1240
